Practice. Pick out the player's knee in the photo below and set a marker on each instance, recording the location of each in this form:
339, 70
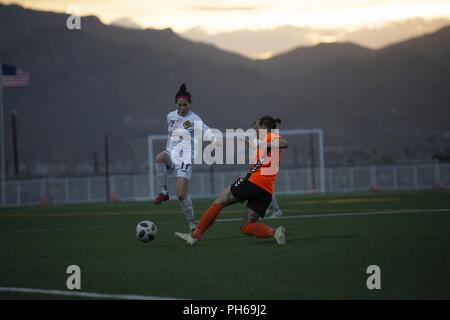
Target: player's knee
224, 197
181, 196
222, 201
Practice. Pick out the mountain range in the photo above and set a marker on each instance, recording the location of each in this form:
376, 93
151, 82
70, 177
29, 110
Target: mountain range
264, 43
122, 82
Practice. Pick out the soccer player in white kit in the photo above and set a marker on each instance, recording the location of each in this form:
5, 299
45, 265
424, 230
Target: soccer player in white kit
182, 118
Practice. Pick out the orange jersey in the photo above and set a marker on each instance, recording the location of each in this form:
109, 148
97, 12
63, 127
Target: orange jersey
264, 172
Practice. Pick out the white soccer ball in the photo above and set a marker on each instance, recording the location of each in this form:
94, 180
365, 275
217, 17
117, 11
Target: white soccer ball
146, 231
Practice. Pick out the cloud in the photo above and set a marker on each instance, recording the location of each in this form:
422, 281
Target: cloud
227, 8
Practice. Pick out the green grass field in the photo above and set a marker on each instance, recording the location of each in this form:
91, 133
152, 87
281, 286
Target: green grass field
325, 257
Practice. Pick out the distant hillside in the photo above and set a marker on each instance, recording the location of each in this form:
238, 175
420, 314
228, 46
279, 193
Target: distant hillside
382, 97
301, 61
275, 41
108, 79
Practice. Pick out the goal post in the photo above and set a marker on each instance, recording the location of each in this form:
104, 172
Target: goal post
302, 170
320, 150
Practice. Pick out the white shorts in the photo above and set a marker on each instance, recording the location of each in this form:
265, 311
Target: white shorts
180, 170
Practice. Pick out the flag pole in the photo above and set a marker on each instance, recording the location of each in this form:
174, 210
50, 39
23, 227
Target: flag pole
2, 137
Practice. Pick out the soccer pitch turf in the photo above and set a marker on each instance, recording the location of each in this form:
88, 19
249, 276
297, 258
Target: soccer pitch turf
331, 240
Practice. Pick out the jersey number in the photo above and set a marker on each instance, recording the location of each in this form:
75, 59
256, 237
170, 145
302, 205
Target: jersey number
185, 166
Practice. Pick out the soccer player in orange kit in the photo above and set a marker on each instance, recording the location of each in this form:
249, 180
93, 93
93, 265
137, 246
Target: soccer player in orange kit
256, 188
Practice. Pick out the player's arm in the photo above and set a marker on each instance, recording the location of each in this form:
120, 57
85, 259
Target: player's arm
282, 143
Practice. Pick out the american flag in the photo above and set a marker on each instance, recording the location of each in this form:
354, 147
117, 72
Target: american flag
14, 77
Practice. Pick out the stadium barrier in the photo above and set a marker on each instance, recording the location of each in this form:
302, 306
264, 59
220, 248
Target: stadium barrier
62, 190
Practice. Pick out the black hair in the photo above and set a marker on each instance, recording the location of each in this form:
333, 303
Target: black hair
269, 122
183, 93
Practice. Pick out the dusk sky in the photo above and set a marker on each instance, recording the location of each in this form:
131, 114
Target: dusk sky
228, 15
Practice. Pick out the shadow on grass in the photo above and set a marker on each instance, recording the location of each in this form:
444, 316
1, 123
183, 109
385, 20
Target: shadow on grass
324, 237
291, 240
270, 241
223, 238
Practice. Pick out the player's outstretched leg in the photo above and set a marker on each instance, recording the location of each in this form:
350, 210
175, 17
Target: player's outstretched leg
206, 220
161, 164
250, 227
188, 210
208, 217
260, 230
181, 186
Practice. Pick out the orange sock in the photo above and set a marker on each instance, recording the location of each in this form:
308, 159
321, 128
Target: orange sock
206, 220
258, 230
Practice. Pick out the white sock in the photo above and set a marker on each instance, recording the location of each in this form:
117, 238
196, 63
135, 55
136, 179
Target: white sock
161, 176
186, 204
274, 204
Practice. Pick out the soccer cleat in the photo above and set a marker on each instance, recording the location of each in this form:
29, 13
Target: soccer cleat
269, 213
277, 213
280, 235
160, 198
272, 214
186, 237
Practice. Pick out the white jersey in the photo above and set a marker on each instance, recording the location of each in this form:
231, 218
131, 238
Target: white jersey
175, 122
